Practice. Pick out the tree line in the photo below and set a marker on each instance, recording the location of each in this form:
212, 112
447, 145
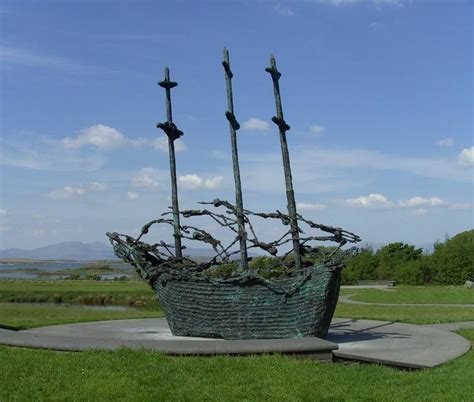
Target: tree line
451, 263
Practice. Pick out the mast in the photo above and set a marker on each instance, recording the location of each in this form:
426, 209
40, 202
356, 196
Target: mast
173, 134
283, 128
234, 126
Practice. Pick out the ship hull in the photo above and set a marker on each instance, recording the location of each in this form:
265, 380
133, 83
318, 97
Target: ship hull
244, 306
251, 309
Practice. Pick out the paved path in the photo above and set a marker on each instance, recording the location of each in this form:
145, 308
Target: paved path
394, 344
347, 299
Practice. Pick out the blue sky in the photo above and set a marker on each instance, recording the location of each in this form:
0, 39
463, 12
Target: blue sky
378, 94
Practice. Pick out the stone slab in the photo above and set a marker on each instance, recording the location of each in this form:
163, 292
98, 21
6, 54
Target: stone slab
154, 334
394, 344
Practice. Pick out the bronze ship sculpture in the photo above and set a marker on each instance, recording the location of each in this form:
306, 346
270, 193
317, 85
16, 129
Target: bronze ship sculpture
295, 296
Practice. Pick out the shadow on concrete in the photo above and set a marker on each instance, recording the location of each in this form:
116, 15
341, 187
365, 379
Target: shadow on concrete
2, 326
344, 332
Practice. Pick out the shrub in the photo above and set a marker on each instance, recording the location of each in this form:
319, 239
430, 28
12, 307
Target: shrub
393, 256
453, 261
362, 266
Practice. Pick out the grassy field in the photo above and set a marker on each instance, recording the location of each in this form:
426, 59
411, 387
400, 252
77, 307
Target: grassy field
414, 294
147, 376
28, 374
136, 294
23, 316
411, 315
139, 294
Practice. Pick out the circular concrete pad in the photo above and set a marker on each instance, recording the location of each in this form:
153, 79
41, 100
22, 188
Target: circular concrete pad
155, 334
395, 344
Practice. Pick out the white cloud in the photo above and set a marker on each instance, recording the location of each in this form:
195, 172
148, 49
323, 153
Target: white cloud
194, 181
78, 191
3, 212
147, 177
161, 144
313, 158
97, 187
462, 205
190, 181
321, 169
68, 191
106, 138
338, 2
132, 195
316, 130
213, 182
418, 212
377, 3
256, 124
31, 150
370, 201
466, 157
416, 205
309, 207
31, 59
417, 202
100, 136
445, 142
284, 10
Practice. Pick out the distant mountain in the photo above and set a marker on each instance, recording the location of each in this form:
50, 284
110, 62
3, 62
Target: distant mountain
75, 250
71, 250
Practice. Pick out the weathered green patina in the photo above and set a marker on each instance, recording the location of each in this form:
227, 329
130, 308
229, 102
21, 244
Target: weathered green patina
299, 300
173, 134
283, 127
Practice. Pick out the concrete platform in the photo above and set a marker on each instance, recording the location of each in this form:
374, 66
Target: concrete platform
394, 344
155, 334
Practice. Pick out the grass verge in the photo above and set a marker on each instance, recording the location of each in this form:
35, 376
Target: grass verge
414, 294
23, 316
411, 315
136, 294
149, 376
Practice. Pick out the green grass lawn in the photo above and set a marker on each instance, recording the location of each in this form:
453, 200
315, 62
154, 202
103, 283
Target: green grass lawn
145, 376
23, 316
414, 294
28, 374
137, 294
411, 315
410, 294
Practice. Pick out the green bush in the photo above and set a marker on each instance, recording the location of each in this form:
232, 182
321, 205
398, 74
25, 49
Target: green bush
453, 261
412, 272
362, 266
393, 256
